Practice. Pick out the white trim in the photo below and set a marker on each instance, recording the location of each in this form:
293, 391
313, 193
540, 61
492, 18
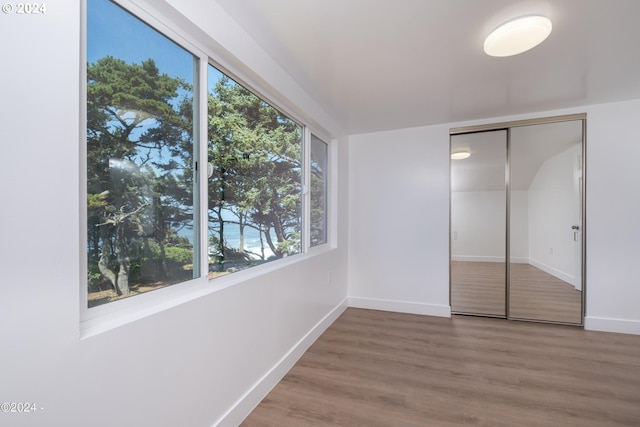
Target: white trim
554, 272
605, 324
119, 313
306, 189
247, 403
83, 292
401, 306
332, 192
475, 258
202, 157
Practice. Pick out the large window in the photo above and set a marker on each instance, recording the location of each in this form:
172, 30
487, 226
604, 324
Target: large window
149, 121
255, 197
140, 157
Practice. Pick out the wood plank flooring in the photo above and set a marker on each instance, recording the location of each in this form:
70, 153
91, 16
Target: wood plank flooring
478, 288
537, 295
373, 368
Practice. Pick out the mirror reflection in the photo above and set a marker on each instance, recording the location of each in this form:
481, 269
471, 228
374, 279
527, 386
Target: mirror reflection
545, 222
478, 223
529, 176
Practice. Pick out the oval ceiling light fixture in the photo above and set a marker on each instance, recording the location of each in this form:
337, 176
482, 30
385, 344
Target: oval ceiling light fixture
517, 36
460, 155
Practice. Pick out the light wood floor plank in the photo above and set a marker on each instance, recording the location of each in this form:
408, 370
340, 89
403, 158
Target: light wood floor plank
479, 288
373, 368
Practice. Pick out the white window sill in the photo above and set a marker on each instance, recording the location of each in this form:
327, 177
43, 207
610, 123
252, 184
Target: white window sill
104, 318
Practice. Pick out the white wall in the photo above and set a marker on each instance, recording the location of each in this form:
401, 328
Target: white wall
478, 218
191, 364
184, 366
553, 209
403, 264
399, 220
613, 206
478, 226
519, 228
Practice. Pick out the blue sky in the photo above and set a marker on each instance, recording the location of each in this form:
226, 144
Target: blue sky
113, 31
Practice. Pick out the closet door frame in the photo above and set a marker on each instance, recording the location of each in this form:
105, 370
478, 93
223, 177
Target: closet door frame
507, 126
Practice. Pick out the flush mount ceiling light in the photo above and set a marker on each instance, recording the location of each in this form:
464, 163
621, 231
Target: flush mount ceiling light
460, 155
517, 36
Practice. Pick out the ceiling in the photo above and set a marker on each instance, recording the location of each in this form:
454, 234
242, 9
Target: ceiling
389, 64
531, 146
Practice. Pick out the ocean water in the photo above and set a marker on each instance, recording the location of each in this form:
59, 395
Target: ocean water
251, 240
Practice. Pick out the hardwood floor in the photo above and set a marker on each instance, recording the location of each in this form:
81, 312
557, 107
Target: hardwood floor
478, 288
373, 368
537, 295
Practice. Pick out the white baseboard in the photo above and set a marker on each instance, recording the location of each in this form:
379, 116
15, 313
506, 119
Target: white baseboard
475, 258
604, 324
400, 306
555, 272
247, 403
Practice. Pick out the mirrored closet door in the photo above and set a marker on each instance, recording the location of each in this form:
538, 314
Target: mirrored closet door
478, 223
517, 217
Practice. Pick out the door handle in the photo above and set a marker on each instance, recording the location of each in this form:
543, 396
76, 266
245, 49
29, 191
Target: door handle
576, 232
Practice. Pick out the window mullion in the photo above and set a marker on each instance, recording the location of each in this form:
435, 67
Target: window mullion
200, 141
306, 186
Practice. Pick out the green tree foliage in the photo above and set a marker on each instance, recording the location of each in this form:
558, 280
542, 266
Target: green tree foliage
139, 176
256, 155
317, 189
140, 180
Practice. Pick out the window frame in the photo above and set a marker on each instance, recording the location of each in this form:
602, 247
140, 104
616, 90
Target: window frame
155, 21
303, 150
104, 317
327, 190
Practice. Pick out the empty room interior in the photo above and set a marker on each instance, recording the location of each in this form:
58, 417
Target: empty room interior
320, 212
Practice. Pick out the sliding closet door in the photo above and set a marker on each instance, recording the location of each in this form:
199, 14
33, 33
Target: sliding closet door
478, 223
545, 210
